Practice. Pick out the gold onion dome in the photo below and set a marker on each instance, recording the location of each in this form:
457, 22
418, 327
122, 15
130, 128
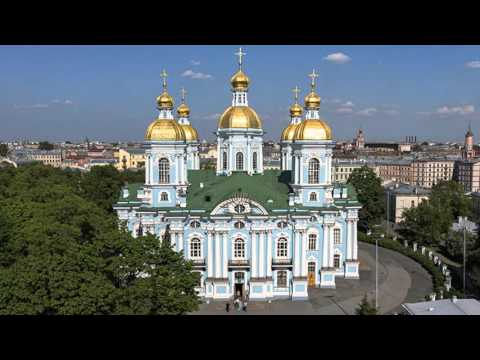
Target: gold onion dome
165, 130
165, 101
313, 129
240, 81
183, 110
289, 132
239, 117
296, 110
312, 101
190, 132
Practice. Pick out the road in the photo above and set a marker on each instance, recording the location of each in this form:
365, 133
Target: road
400, 280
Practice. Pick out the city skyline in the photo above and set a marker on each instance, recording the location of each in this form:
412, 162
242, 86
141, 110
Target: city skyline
108, 92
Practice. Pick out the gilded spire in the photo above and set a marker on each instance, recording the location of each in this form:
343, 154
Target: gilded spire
240, 55
164, 75
313, 75
164, 101
240, 81
312, 100
296, 110
183, 110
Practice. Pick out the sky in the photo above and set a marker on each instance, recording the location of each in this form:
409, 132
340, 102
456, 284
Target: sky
61, 93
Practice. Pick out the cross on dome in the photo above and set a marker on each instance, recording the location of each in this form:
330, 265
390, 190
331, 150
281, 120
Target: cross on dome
313, 75
164, 75
240, 55
184, 92
296, 91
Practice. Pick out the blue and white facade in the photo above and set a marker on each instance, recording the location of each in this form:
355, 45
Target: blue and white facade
255, 247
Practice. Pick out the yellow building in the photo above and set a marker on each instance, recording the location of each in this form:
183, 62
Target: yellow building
129, 158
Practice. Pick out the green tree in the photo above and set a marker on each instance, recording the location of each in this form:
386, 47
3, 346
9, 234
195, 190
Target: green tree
3, 150
45, 145
61, 253
366, 308
371, 195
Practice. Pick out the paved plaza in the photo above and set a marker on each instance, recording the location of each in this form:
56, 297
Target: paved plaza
400, 280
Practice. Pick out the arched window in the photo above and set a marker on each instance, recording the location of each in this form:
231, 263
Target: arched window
225, 160
163, 171
239, 249
195, 248
282, 224
254, 161
282, 247
313, 196
336, 237
239, 162
163, 196
312, 242
239, 208
336, 261
313, 171
195, 224
239, 225
281, 279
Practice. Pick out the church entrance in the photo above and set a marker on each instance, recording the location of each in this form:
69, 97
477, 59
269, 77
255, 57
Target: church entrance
311, 274
239, 285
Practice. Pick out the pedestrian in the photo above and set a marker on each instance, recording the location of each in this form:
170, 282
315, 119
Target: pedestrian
245, 307
227, 307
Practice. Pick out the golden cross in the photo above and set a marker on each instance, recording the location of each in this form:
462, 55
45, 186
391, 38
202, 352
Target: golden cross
296, 90
164, 76
313, 75
240, 55
183, 94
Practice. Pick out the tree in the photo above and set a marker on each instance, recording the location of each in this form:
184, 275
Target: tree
45, 145
3, 150
61, 253
366, 308
370, 193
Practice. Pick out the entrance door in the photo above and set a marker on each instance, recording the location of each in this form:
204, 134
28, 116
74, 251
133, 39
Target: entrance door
239, 281
311, 274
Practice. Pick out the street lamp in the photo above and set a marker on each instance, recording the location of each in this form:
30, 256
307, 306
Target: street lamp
463, 223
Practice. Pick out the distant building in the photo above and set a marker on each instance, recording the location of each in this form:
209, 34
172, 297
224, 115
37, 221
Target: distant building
101, 162
341, 170
387, 147
47, 157
452, 306
428, 172
467, 173
401, 197
359, 140
476, 205
468, 151
130, 158
396, 170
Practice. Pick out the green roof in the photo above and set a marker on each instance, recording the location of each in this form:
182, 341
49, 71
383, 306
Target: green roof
272, 185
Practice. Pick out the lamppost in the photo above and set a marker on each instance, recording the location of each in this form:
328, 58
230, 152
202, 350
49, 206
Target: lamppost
463, 223
369, 233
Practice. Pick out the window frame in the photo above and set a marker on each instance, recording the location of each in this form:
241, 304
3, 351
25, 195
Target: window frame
282, 248
195, 248
239, 251
239, 160
163, 171
314, 171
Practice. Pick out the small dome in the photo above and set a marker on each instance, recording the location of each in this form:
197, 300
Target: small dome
239, 117
240, 81
296, 110
313, 129
312, 101
183, 110
165, 101
191, 134
289, 132
164, 130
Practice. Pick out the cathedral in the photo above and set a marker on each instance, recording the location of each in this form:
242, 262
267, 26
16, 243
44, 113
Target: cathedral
250, 232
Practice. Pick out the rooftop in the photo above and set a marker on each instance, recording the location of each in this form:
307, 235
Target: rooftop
406, 189
444, 307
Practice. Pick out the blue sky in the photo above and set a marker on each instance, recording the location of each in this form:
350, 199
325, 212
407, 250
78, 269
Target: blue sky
108, 92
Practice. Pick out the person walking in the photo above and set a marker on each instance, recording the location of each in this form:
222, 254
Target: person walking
227, 307
245, 306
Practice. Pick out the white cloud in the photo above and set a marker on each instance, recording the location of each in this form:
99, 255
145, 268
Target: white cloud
195, 62
367, 112
473, 64
337, 58
344, 110
391, 112
348, 104
68, 102
460, 110
196, 75
35, 106
211, 116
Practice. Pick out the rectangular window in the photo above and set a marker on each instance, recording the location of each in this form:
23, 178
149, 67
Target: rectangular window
336, 237
282, 279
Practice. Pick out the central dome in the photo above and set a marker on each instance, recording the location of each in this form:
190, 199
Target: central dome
313, 129
165, 101
240, 81
239, 117
165, 130
312, 101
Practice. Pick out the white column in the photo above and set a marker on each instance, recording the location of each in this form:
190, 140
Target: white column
218, 156
260, 157
325, 246
296, 169
173, 239
152, 161
231, 159
218, 264
225, 256
348, 245
176, 169
300, 175
261, 255
296, 261
269, 254
248, 164
355, 241
210, 254
180, 241
254, 255
304, 254
330, 246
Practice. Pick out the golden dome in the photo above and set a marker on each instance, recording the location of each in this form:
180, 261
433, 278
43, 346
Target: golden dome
313, 129
183, 110
240, 81
165, 130
165, 101
312, 101
289, 132
239, 117
296, 110
191, 133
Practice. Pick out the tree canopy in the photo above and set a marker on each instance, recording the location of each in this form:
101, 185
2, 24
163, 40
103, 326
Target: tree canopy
3, 150
63, 252
45, 145
370, 193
